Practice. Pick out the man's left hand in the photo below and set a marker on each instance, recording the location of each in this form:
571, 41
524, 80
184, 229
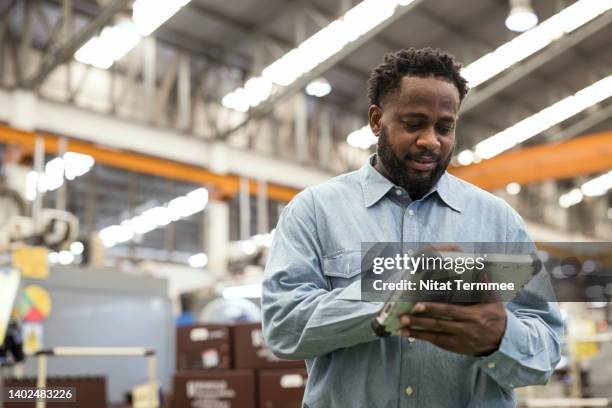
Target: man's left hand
475, 330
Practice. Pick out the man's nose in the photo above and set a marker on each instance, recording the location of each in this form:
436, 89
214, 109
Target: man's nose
428, 140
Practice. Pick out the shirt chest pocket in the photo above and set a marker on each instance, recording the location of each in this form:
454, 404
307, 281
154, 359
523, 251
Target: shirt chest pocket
342, 268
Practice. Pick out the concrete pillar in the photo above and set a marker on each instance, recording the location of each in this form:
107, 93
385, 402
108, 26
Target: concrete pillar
301, 127
149, 76
216, 235
324, 139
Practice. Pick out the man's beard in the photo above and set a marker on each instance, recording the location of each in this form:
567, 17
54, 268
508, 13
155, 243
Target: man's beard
416, 185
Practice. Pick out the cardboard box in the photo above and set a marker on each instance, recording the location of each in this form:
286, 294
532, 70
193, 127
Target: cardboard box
90, 392
203, 346
250, 351
215, 389
281, 388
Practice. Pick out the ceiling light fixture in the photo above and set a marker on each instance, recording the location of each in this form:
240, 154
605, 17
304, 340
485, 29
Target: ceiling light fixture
113, 43
522, 17
70, 166
319, 88
117, 40
544, 119
316, 49
148, 15
530, 42
156, 217
595, 187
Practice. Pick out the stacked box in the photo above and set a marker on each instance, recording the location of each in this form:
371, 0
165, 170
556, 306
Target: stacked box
250, 351
215, 389
203, 346
281, 388
231, 367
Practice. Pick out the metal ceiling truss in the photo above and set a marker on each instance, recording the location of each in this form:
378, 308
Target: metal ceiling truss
268, 107
180, 94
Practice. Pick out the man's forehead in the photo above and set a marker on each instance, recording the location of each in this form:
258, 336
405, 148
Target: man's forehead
427, 92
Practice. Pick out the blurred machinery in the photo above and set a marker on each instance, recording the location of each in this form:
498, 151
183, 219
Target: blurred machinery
55, 230
21, 223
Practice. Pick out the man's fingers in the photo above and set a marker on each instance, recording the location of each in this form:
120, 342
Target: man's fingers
456, 312
433, 324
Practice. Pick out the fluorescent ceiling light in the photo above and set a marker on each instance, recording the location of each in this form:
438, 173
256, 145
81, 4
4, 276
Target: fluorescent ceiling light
595, 187
316, 49
530, 42
77, 164
362, 138
54, 171
319, 88
148, 15
572, 198
242, 291
521, 17
598, 186
112, 44
156, 217
115, 41
546, 118
70, 166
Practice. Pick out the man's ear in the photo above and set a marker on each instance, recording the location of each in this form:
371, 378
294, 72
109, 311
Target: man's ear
375, 116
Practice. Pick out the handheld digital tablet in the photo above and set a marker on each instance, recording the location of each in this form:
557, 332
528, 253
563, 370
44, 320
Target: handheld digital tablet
507, 272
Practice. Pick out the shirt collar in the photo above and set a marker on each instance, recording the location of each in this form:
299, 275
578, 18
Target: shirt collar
447, 193
375, 186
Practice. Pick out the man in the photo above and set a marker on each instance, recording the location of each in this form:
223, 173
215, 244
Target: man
402, 194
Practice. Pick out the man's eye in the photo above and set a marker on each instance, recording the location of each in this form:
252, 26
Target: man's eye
412, 126
444, 130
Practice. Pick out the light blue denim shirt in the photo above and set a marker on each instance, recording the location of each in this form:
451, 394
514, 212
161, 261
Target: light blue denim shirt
312, 309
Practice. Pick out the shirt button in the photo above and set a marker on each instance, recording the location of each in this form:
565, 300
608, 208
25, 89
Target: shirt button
411, 339
410, 213
398, 192
409, 391
491, 365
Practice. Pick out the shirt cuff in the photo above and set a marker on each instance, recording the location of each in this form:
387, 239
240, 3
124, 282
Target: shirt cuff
511, 351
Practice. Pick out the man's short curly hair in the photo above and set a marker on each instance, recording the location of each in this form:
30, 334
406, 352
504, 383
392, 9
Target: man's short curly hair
421, 62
